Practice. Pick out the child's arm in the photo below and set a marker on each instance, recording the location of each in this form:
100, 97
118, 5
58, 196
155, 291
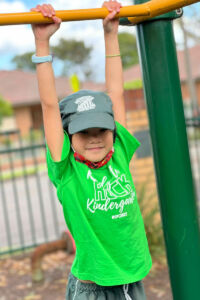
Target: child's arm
114, 72
46, 82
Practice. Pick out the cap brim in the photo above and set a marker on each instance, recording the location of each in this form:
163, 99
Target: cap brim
94, 120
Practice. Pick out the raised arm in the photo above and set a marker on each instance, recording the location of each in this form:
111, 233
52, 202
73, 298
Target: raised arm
46, 83
113, 68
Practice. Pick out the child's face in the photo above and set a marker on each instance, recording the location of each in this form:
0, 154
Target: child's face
93, 143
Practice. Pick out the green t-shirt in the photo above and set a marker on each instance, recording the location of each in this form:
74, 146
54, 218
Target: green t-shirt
101, 211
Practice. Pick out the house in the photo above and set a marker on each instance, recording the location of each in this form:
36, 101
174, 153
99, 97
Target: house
21, 90
134, 73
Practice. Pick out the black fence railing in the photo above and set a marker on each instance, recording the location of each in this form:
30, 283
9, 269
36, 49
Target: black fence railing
30, 214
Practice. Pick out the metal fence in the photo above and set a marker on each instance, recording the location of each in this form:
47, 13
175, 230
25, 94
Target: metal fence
30, 214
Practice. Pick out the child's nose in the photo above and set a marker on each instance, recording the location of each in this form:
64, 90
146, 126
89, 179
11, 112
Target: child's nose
95, 136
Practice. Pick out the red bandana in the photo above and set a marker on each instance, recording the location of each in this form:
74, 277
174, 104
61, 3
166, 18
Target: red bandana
94, 165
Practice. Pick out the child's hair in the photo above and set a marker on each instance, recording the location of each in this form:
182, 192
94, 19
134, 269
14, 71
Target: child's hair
87, 109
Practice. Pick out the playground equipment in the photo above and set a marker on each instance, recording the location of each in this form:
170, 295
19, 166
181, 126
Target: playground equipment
167, 126
135, 13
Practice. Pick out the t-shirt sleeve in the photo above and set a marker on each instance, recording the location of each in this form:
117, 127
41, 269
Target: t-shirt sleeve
127, 142
56, 168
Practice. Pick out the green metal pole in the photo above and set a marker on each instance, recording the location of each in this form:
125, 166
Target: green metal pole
171, 156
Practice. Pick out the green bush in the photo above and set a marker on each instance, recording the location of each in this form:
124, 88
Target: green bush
133, 85
5, 109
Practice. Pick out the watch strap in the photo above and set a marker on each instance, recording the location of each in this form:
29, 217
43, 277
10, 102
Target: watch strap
41, 59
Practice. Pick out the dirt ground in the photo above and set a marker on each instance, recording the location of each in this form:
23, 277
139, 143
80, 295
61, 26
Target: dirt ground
16, 282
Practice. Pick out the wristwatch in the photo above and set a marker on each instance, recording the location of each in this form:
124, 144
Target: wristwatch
41, 59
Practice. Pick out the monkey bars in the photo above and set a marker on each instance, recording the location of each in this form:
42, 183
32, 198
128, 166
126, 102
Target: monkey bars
135, 13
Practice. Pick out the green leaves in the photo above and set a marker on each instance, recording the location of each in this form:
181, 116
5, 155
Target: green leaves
74, 51
128, 49
133, 85
73, 55
24, 61
5, 109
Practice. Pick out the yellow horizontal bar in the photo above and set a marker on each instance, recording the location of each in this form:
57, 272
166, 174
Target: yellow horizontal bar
159, 7
71, 15
135, 13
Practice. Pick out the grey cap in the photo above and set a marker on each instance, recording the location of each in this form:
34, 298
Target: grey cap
86, 109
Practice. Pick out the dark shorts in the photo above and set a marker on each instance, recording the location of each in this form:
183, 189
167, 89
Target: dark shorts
77, 290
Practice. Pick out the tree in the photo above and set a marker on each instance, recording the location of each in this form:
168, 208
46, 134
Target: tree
73, 54
5, 109
128, 49
24, 61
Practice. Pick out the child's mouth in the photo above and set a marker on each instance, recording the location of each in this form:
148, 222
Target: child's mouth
95, 148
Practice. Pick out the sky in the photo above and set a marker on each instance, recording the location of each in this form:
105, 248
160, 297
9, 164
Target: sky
18, 39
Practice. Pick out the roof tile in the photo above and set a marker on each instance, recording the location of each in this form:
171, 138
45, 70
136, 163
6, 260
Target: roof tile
20, 87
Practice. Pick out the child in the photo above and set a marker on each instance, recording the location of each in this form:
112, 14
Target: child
88, 162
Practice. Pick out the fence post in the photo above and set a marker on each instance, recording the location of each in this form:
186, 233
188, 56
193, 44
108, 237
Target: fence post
171, 155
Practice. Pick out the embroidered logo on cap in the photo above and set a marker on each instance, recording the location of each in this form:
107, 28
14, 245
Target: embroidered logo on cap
85, 103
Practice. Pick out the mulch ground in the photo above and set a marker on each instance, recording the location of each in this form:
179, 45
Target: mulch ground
16, 281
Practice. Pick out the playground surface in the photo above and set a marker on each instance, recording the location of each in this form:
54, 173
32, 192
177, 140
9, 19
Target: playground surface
16, 283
